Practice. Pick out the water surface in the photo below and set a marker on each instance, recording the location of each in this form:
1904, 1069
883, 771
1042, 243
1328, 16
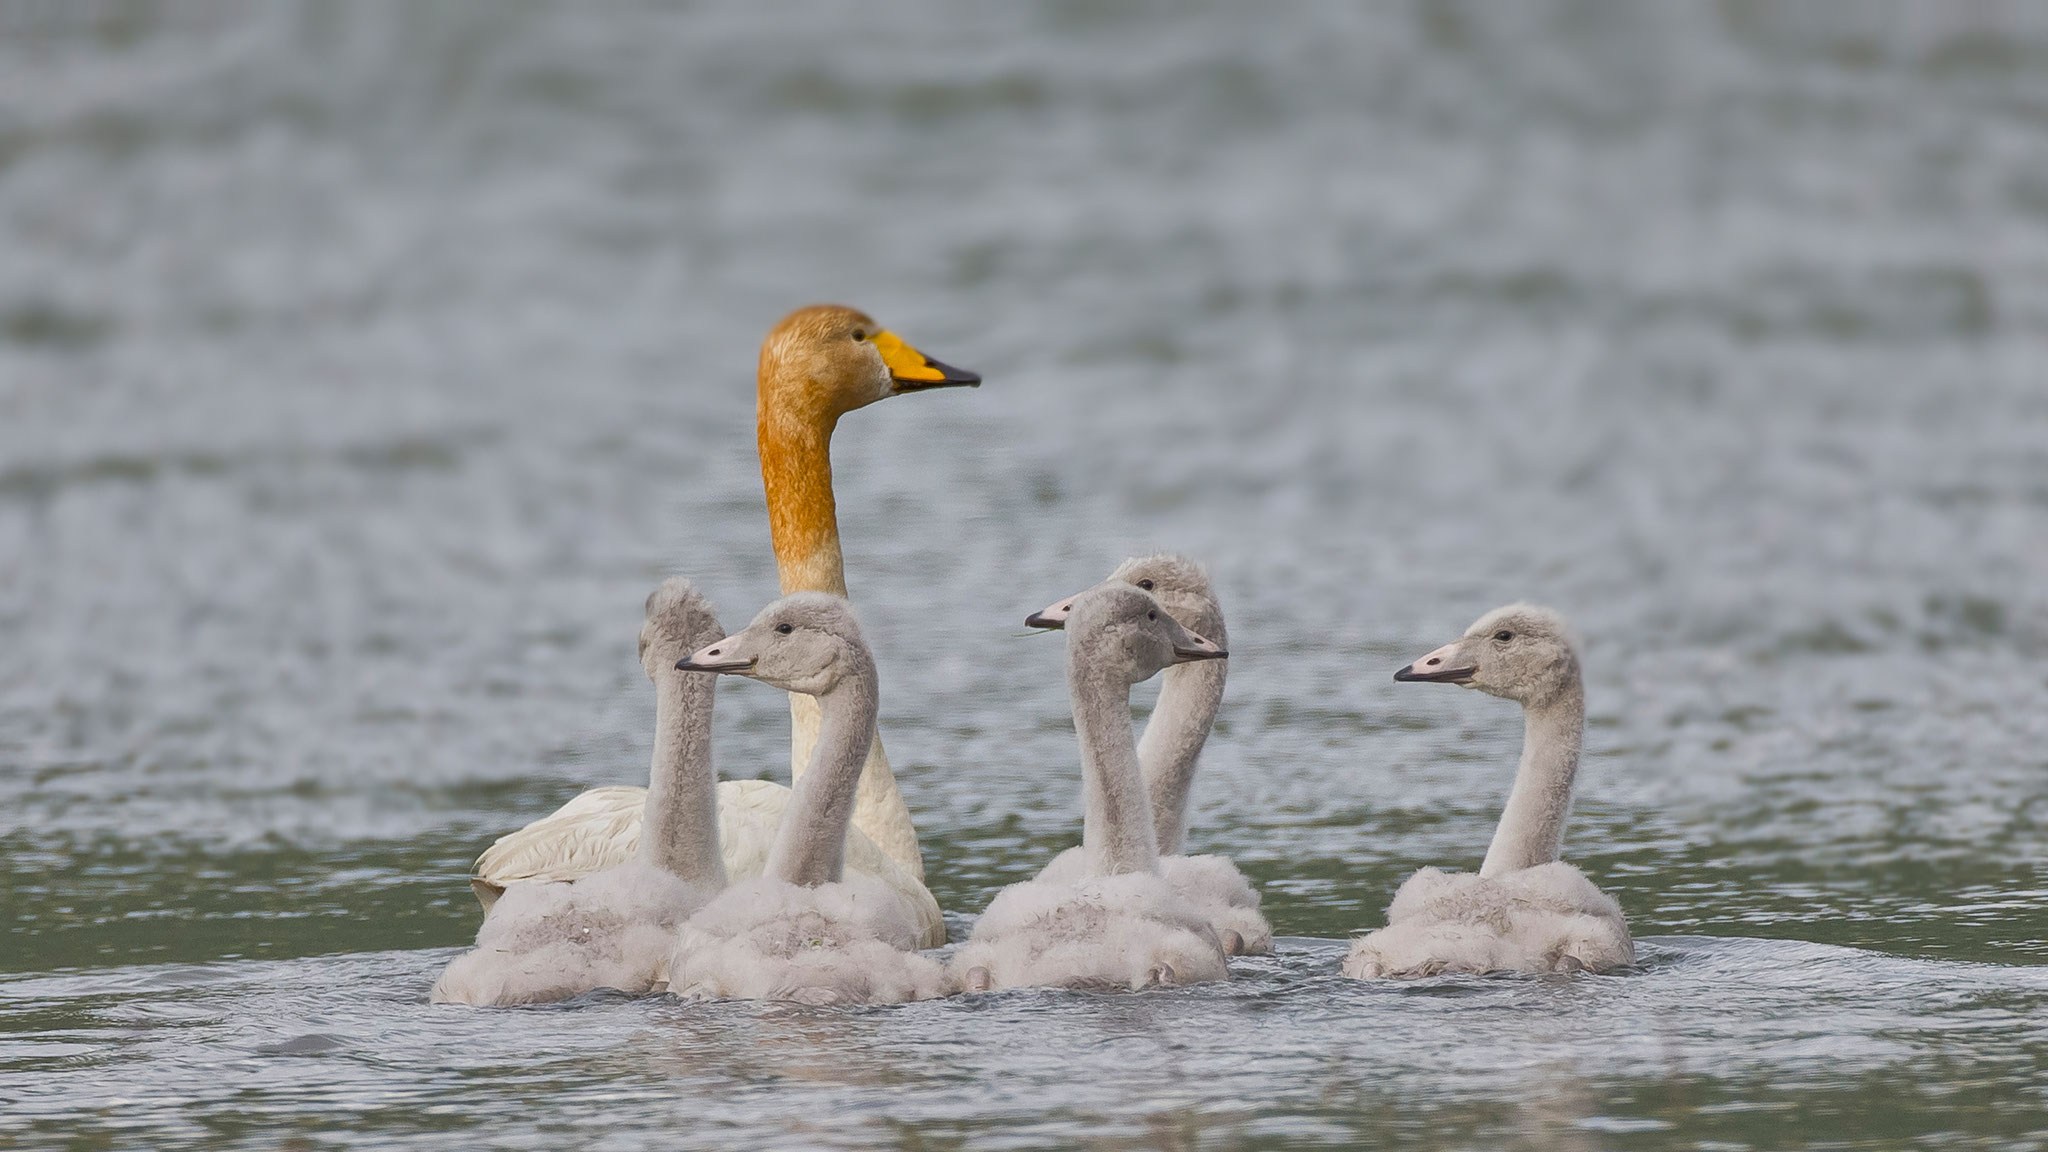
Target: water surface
362, 367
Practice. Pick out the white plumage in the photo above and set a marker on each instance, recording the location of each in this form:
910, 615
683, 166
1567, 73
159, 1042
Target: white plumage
547, 940
1548, 918
1189, 699
1110, 920
835, 943
816, 365
1127, 931
1212, 885
804, 929
1525, 910
601, 827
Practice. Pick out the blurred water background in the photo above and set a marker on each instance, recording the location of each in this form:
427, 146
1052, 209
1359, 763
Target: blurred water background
363, 365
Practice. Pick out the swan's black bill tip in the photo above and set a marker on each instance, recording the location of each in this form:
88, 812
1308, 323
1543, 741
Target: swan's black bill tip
949, 377
1041, 620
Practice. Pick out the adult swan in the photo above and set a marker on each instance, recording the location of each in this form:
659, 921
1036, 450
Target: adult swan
817, 365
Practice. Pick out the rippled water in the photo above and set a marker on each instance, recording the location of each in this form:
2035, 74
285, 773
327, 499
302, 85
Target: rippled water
1743, 1042
361, 367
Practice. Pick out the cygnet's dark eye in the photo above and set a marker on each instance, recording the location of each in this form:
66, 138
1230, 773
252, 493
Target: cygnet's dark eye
1145, 584
785, 629
1503, 635
1151, 615
860, 334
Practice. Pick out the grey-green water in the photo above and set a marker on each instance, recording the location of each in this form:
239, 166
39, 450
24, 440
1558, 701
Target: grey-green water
362, 366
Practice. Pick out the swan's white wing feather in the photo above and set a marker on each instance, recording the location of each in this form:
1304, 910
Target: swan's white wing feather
601, 829
749, 811
595, 830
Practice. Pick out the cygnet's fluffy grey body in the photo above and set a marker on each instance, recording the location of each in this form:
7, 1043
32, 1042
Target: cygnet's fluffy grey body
544, 941
550, 940
1189, 698
1211, 885
1546, 918
846, 942
1119, 923
803, 931
1525, 910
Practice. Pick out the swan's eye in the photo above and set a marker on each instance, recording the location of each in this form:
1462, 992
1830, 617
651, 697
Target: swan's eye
785, 629
1145, 584
860, 334
1503, 635
1151, 615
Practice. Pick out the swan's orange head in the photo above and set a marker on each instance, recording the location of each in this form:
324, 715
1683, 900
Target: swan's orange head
824, 361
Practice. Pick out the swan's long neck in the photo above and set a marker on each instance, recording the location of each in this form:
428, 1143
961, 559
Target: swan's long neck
803, 520
679, 825
1116, 830
1189, 697
810, 846
1531, 828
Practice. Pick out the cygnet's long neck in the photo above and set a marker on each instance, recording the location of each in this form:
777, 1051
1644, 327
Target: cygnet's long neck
679, 825
1189, 697
1531, 828
1116, 829
810, 846
796, 475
